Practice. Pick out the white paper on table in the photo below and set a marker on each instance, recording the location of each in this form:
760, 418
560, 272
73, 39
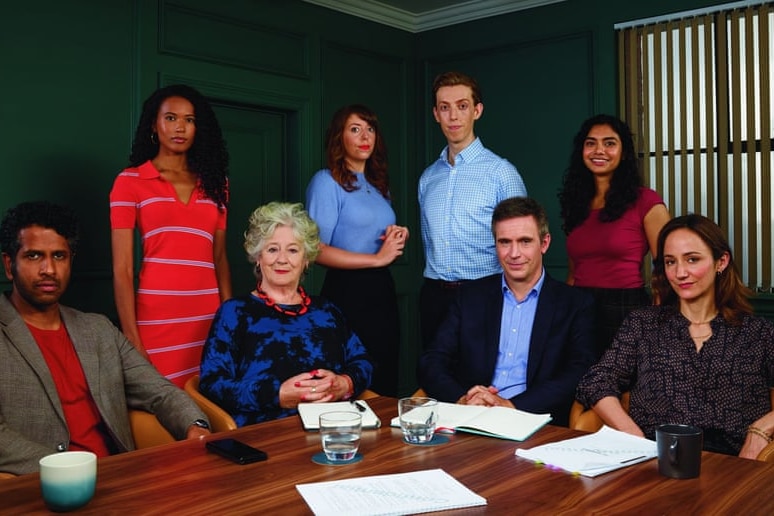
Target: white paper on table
310, 413
593, 454
402, 493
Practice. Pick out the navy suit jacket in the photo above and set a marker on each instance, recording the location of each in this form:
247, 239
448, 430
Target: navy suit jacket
465, 349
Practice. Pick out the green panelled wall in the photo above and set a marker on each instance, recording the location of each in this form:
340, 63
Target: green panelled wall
73, 76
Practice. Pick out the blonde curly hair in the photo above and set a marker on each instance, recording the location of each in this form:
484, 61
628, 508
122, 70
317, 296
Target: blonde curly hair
267, 218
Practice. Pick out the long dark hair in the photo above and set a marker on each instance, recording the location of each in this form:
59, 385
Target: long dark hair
207, 157
732, 297
579, 188
376, 165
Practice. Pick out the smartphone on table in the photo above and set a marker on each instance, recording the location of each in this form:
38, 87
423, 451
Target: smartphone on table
236, 451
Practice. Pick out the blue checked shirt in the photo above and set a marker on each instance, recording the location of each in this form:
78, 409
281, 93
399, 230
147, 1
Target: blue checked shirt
456, 204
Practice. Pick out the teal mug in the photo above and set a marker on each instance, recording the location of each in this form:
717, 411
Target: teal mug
68, 479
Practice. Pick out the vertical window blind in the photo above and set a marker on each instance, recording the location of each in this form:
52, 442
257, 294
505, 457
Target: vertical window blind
697, 93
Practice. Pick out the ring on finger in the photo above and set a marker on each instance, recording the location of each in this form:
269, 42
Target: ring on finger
314, 389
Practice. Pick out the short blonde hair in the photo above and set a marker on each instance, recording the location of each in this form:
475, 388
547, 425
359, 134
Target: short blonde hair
267, 218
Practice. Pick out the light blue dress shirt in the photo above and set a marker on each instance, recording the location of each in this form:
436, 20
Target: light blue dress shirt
510, 376
456, 204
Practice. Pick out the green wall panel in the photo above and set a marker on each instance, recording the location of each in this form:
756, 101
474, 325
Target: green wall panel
201, 35
66, 90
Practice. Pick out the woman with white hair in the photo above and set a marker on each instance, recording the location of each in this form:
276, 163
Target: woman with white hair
278, 346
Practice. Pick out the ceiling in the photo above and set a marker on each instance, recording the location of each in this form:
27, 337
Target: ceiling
421, 15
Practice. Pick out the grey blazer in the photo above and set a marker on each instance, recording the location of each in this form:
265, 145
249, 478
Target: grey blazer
32, 423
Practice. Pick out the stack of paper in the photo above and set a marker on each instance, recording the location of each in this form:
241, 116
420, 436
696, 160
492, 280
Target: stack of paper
593, 454
310, 413
402, 493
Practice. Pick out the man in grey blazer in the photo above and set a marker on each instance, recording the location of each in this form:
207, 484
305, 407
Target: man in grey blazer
68, 377
517, 339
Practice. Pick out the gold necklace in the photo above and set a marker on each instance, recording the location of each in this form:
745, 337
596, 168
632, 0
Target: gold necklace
699, 323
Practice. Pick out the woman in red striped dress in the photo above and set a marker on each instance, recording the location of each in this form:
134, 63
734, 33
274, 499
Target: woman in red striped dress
175, 192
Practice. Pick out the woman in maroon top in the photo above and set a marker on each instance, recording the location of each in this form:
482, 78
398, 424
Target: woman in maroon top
611, 221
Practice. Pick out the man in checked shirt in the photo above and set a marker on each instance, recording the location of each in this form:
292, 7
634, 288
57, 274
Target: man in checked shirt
457, 195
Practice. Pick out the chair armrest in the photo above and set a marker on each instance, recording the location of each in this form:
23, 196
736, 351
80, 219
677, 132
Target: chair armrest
220, 420
147, 431
767, 454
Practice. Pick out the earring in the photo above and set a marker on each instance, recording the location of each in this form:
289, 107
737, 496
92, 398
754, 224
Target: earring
154, 138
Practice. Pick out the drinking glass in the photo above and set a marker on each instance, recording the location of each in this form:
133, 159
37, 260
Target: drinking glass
340, 435
418, 418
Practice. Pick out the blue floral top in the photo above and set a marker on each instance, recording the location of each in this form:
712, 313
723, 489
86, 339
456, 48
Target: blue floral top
252, 348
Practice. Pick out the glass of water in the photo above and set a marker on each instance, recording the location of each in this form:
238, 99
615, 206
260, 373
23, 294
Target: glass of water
340, 434
418, 419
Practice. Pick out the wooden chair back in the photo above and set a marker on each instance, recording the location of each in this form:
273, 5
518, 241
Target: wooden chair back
147, 430
220, 420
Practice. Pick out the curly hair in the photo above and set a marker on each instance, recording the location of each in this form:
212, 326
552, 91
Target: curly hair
376, 164
267, 218
731, 294
578, 186
457, 79
207, 157
37, 213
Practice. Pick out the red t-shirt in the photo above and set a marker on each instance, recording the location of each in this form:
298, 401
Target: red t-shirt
81, 414
610, 254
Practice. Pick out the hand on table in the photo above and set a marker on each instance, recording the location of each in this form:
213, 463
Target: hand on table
486, 396
320, 385
197, 432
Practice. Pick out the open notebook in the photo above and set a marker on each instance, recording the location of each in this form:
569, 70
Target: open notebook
310, 413
500, 422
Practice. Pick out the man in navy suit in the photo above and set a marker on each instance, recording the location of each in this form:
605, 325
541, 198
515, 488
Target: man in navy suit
519, 339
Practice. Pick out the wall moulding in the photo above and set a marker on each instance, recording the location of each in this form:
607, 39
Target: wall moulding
207, 36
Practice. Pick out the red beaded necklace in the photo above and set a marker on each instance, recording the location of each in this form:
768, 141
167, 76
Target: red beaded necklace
302, 308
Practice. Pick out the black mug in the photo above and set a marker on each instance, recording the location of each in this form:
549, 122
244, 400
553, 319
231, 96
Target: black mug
679, 450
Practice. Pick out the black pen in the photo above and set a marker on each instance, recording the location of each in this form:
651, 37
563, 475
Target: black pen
360, 407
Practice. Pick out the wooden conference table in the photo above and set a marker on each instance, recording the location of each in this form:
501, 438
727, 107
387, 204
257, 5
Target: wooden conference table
183, 478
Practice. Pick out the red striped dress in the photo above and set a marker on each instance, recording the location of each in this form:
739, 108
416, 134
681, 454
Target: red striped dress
178, 291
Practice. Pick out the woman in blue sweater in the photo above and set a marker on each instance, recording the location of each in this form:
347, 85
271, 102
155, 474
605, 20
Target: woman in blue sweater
350, 201
278, 346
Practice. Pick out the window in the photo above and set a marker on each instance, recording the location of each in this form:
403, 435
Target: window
697, 92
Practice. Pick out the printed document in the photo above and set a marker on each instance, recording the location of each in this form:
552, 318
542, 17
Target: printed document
402, 493
593, 454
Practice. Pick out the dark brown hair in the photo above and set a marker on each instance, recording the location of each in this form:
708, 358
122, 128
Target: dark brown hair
732, 297
376, 165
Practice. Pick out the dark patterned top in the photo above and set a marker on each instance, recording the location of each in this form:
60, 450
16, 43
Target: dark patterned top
723, 388
252, 349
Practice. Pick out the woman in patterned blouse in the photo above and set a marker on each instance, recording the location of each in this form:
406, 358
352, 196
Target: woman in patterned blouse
277, 346
701, 358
